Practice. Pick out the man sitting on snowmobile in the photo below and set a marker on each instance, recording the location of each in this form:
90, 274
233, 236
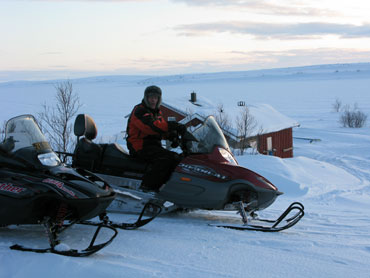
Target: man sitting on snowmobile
146, 128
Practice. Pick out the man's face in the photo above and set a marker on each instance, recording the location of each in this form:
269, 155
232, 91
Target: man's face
152, 100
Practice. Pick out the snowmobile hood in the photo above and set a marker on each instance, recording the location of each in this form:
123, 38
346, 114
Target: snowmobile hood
74, 184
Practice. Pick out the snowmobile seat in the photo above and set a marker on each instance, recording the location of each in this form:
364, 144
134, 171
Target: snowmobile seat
103, 158
116, 158
87, 154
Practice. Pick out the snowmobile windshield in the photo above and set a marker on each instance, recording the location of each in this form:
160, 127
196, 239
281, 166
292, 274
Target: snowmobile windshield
209, 136
22, 132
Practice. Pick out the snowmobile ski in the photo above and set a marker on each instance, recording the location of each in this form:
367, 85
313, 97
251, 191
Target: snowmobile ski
149, 209
275, 227
56, 247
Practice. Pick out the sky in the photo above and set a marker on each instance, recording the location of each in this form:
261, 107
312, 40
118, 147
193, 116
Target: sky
43, 39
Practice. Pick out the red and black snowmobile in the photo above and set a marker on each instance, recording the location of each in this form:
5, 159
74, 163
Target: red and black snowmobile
208, 177
36, 188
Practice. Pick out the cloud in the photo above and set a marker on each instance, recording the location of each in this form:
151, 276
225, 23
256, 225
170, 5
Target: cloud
264, 7
277, 31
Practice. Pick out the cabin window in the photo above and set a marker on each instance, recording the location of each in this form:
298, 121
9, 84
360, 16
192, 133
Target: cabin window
253, 144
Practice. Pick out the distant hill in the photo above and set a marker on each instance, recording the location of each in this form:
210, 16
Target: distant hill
332, 71
328, 71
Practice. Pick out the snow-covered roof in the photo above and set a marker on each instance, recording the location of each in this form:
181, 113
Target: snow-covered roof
267, 118
202, 106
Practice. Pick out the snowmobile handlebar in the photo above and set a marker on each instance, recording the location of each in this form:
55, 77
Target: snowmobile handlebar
181, 138
7, 145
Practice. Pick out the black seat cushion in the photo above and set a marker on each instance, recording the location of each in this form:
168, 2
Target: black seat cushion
87, 155
115, 157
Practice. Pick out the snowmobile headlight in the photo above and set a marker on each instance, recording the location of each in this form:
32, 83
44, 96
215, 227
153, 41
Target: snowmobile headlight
49, 159
225, 154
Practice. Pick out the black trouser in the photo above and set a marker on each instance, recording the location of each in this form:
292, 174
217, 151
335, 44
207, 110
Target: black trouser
162, 163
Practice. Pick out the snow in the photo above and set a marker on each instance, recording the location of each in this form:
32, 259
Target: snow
269, 119
330, 176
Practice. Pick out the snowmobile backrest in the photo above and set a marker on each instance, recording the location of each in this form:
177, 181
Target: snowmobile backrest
85, 126
87, 154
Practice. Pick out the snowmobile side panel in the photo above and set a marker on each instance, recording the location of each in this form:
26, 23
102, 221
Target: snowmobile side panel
193, 191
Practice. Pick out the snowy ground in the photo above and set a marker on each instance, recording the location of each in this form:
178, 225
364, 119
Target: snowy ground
331, 177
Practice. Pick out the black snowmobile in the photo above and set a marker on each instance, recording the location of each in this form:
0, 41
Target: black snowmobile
36, 188
208, 177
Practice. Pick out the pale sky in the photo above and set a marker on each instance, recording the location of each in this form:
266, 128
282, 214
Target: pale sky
67, 38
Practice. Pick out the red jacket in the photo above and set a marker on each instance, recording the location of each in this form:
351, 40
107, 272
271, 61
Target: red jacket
145, 127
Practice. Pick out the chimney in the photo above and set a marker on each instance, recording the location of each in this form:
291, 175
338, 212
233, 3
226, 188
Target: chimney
193, 97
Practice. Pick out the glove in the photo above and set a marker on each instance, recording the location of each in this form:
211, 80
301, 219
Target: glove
172, 126
173, 138
174, 144
172, 135
181, 129
175, 126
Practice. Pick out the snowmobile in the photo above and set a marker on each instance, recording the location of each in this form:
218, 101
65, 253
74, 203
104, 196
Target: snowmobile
208, 177
36, 188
